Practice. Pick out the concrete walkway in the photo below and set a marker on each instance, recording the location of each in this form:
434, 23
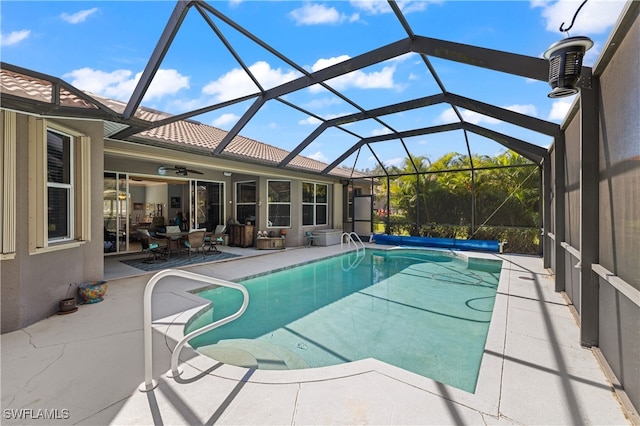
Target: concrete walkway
86, 367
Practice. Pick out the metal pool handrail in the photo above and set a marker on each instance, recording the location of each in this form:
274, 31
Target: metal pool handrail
350, 238
149, 383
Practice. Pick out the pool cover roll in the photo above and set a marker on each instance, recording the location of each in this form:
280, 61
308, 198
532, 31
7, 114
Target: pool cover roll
450, 243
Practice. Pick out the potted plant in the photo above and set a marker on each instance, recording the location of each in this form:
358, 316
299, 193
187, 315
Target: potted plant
68, 305
92, 291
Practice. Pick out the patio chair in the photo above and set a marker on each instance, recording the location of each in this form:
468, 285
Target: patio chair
173, 229
310, 238
156, 247
195, 241
110, 239
217, 237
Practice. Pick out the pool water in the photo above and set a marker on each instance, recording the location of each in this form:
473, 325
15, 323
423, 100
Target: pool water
424, 311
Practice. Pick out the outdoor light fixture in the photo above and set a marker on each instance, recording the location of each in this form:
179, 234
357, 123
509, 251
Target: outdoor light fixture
227, 173
565, 60
565, 64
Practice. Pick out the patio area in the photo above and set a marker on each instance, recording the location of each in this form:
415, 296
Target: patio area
85, 368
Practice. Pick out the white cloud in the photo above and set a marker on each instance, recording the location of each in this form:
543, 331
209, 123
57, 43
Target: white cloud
225, 119
119, 84
398, 162
380, 131
372, 7
309, 121
595, 17
528, 109
325, 63
319, 156
14, 37
376, 7
560, 108
449, 116
382, 79
78, 17
318, 14
322, 103
236, 82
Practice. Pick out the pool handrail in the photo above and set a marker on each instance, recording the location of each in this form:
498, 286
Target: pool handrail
353, 263
149, 383
350, 239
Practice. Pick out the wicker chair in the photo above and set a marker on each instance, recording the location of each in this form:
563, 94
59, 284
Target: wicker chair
195, 241
217, 237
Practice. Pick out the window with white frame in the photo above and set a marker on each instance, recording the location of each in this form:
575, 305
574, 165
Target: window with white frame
279, 203
61, 206
315, 204
246, 202
60, 200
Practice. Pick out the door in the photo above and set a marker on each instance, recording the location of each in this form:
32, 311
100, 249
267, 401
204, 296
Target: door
363, 215
116, 200
207, 204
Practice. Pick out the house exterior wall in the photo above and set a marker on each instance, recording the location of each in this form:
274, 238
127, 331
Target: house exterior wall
142, 160
33, 284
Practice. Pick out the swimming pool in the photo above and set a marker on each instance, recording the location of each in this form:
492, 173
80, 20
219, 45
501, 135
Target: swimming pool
424, 311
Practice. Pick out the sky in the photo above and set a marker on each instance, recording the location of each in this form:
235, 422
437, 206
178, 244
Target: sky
102, 47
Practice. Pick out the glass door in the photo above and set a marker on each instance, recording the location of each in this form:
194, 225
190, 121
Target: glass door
207, 204
116, 208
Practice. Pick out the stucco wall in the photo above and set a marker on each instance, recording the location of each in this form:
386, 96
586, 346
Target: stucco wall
33, 284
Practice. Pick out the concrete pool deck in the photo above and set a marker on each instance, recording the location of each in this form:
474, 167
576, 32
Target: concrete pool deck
86, 367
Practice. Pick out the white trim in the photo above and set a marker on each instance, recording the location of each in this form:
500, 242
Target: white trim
8, 188
618, 283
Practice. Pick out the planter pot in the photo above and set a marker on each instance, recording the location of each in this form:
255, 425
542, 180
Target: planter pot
67, 306
93, 291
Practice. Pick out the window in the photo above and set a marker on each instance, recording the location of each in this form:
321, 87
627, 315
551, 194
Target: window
279, 203
59, 161
314, 204
59, 186
246, 202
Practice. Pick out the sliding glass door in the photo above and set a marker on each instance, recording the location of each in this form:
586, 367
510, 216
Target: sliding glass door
116, 207
207, 205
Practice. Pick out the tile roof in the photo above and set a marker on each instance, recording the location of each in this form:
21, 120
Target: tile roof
182, 134
37, 89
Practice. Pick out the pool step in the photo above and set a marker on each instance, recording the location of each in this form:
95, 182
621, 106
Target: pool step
253, 354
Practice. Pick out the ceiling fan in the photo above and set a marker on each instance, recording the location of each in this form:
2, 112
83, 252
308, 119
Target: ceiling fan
180, 170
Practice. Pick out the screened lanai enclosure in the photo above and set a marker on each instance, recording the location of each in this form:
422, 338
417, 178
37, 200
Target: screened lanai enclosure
454, 156
457, 196
431, 135
429, 165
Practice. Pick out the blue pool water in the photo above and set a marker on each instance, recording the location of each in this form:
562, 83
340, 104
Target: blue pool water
424, 311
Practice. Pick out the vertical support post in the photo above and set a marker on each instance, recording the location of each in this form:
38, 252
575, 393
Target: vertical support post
589, 204
373, 202
559, 154
418, 197
388, 218
473, 201
545, 214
